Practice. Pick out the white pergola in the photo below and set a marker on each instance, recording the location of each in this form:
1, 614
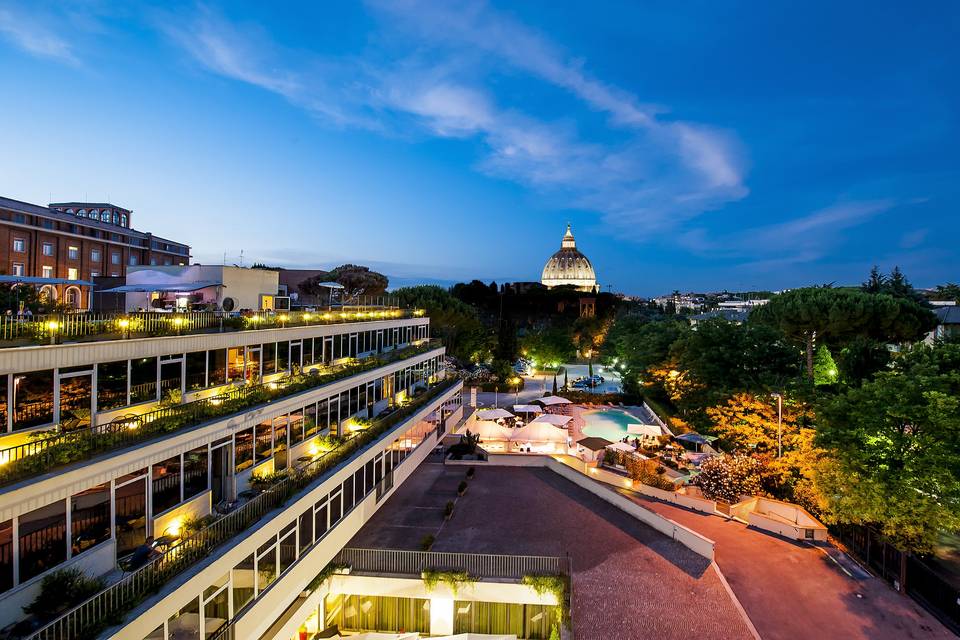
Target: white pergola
549, 401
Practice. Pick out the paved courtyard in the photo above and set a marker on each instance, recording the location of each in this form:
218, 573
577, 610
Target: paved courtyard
793, 591
629, 581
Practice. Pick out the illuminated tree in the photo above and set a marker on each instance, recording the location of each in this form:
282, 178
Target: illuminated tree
824, 368
896, 443
729, 477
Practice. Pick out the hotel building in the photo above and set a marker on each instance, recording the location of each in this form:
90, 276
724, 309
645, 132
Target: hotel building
206, 479
67, 244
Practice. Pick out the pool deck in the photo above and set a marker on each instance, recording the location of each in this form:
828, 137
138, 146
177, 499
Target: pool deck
628, 580
575, 427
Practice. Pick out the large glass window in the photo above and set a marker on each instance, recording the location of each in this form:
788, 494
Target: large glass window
296, 426
171, 378
269, 353
243, 451
288, 546
90, 518
166, 484
320, 518
280, 451
217, 367
131, 511
335, 507
235, 363
266, 565
6, 555
111, 385
143, 380
185, 623
43, 539
195, 472
310, 421
306, 530
32, 399
196, 362
216, 606
243, 583
264, 440
283, 356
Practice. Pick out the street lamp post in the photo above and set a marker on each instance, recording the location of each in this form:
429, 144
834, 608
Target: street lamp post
779, 424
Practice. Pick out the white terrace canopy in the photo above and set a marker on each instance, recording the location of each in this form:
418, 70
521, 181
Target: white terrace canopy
526, 408
555, 420
549, 401
494, 414
647, 430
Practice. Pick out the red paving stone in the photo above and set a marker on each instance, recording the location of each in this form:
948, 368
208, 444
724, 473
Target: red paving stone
792, 591
629, 582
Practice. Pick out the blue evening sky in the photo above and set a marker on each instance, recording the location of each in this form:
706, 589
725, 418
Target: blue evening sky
693, 145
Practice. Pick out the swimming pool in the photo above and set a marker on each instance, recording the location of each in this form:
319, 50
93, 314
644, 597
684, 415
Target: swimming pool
608, 423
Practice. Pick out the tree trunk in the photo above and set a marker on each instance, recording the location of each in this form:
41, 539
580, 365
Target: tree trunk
810, 355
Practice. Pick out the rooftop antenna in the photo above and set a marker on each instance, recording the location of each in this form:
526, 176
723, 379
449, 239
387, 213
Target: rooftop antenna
241, 258
224, 258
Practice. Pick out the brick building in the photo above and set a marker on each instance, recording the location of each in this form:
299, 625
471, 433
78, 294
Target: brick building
71, 242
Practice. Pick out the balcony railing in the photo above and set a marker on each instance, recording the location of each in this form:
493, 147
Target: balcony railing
108, 606
390, 562
44, 329
64, 447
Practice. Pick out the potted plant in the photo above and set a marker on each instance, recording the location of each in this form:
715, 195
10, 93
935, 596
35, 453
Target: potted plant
448, 510
462, 488
470, 473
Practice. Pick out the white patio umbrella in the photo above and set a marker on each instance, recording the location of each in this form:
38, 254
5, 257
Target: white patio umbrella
551, 418
526, 408
621, 446
652, 430
494, 414
549, 401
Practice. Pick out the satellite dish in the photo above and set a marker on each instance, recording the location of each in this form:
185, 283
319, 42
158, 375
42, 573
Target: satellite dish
228, 304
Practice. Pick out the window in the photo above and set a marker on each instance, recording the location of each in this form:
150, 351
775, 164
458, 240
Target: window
166, 485
19, 245
6, 559
114, 258
243, 583
196, 363
46, 271
111, 385
32, 399
123, 219
94, 274
243, 450
73, 273
194, 472
18, 269
143, 380
105, 216
266, 565
73, 253
90, 518
43, 540
48, 248
133, 259
94, 255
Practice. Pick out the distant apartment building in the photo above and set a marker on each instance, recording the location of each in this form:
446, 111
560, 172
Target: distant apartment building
63, 246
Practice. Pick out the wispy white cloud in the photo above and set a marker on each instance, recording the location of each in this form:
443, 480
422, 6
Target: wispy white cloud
31, 34
798, 240
432, 76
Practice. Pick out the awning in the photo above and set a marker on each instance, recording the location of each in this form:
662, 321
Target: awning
594, 443
494, 414
652, 430
42, 281
166, 287
696, 438
555, 420
331, 285
548, 401
621, 446
526, 408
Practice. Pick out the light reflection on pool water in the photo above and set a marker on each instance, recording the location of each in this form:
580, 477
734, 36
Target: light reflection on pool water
608, 423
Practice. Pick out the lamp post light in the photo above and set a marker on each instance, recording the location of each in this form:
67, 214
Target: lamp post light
178, 323
779, 424
125, 325
52, 327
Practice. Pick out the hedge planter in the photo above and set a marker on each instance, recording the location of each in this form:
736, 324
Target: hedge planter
462, 489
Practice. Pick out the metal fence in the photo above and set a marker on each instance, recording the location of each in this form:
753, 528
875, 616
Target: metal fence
87, 619
72, 326
41, 455
477, 565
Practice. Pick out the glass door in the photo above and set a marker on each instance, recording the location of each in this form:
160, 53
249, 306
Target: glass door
328, 350
221, 466
130, 504
251, 364
76, 399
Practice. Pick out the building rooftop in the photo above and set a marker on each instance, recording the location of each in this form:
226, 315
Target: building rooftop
628, 580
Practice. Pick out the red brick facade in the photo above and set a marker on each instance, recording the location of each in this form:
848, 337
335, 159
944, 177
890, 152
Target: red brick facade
34, 237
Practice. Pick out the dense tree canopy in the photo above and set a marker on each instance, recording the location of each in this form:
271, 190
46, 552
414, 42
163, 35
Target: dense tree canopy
896, 442
357, 281
451, 320
836, 316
